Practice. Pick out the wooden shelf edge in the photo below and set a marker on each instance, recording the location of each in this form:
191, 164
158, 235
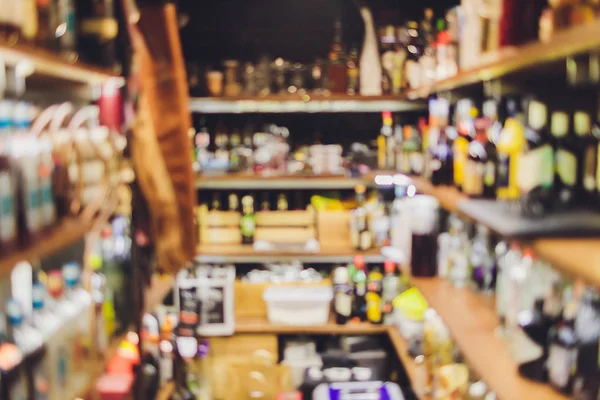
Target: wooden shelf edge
577, 257
472, 322
565, 43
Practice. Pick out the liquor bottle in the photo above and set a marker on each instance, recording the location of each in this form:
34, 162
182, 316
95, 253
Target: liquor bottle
565, 161
189, 304
29, 20
528, 342
8, 195
248, 221
353, 71
562, 355
359, 280
342, 303
587, 144
412, 70
373, 297
336, 71
490, 112
363, 236
476, 162
383, 142
166, 360
536, 165
66, 36
390, 289
481, 260
282, 202
587, 329
442, 164
507, 258
465, 114
46, 14
509, 147
98, 30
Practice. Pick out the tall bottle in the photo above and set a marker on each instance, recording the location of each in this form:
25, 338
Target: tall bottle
248, 221
385, 142
412, 70
359, 280
563, 352
509, 148
481, 260
442, 160
477, 159
390, 289
336, 71
587, 144
536, 165
373, 296
98, 30
362, 236
565, 160
465, 114
493, 127
342, 301
370, 65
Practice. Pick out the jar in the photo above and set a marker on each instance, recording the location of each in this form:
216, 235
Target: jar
424, 235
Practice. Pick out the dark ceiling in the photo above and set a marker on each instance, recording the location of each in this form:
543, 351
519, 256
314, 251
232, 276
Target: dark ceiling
298, 30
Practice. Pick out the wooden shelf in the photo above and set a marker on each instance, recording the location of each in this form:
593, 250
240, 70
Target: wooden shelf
472, 322
67, 232
47, 64
401, 347
302, 104
572, 41
246, 254
578, 257
246, 181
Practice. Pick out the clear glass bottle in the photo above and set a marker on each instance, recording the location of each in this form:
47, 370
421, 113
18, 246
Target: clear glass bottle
562, 356
481, 261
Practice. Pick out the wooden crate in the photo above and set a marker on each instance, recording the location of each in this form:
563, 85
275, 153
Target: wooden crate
218, 227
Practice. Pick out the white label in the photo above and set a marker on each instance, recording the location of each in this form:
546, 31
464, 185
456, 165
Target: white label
566, 167
560, 363
343, 304
536, 168
522, 348
8, 221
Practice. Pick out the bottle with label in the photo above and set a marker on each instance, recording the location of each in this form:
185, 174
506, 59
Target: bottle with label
362, 236
509, 148
336, 72
412, 71
587, 329
562, 357
353, 71
588, 139
493, 128
481, 261
442, 159
342, 301
8, 209
390, 289
248, 220
565, 161
384, 143
464, 118
66, 31
507, 258
188, 302
373, 297
98, 29
536, 166
359, 280
528, 341
476, 162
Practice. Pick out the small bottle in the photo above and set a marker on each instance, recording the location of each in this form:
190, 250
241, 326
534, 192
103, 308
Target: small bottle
234, 203
588, 157
382, 140
528, 342
465, 113
166, 360
477, 158
342, 302
248, 221
390, 289
442, 163
8, 210
353, 71
360, 289
189, 305
373, 297
282, 203
362, 236
215, 205
562, 356
565, 161
490, 112
536, 166
265, 204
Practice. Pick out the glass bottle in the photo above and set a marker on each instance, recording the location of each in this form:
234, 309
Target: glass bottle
282, 202
509, 148
464, 119
359, 280
536, 165
215, 204
65, 34
383, 142
565, 160
477, 160
442, 164
390, 289
587, 329
481, 260
233, 202
336, 70
373, 296
8, 211
587, 144
493, 128
413, 47
98, 30
424, 224
562, 355
13, 380
353, 71
342, 302
248, 221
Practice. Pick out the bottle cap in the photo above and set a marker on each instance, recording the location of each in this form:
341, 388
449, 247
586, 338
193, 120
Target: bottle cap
581, 123
359, 261
537, 114
560, 123
389, 266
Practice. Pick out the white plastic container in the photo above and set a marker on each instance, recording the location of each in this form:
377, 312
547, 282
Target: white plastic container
298, 305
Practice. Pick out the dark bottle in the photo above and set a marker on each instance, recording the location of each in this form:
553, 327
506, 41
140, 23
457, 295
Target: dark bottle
46, 12
342, 301
248, 221
360, 289
565, 161
587, 153
530, 340
352, 71
442, 163
535, 173
562, 354
189, 304
336, 70
474, 174
98, 30
490, 112
587, 329
215, 205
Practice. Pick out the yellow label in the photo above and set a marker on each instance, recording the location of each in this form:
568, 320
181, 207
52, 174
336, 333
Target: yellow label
566, 167
510, 146
461, 145
373, 306
381, 151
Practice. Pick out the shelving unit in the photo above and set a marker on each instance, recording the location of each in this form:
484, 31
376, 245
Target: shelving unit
51, 66
534, 55
302, 104
247, 254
